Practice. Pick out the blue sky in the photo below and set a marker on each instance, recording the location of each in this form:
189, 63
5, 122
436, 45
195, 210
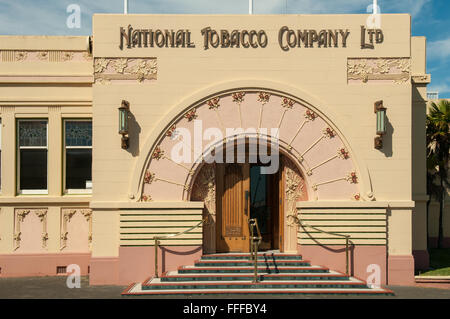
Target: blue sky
48, 17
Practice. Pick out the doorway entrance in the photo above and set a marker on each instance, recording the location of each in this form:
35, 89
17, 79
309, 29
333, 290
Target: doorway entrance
243, 192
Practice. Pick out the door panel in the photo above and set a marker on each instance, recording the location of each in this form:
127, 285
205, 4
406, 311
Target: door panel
233, 207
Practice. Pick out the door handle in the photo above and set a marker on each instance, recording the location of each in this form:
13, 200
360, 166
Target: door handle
247, 195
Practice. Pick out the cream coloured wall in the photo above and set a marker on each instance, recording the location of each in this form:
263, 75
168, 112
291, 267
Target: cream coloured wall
53, 77
49, 78
182, 72
419, 96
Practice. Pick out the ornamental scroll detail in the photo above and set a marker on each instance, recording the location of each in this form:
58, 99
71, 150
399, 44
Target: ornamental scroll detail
204, 189
21, 214
294, 188
375, 70
142, 70
67, 215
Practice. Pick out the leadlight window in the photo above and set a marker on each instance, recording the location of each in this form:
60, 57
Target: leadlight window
78, 156
32, 157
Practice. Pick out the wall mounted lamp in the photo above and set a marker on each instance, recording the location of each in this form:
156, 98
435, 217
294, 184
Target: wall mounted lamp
380, 111
124, 111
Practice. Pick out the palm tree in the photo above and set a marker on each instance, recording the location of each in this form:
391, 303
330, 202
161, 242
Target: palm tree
438, 146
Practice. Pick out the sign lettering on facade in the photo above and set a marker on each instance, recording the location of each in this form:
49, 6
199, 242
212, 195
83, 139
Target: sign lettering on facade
212, 39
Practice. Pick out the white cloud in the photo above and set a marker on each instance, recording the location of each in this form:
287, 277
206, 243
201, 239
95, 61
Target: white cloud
438, 49
440, 87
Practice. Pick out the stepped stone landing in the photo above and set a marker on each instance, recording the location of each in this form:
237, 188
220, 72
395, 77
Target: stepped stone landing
232, 273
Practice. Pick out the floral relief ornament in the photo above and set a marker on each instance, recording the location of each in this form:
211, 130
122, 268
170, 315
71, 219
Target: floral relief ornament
157, 153
41, 214
264, 97
149, 177
21, 55
120, 65
171, 130
329, 133
144, 68
310, 115
287, 103
191, 115
67, 56
100, 65
214, 103
43, 56
87, 213
238, 97
356, 197
343, 153
352, 178
146, 198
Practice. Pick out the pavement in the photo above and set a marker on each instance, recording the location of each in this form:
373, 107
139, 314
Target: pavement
56, 288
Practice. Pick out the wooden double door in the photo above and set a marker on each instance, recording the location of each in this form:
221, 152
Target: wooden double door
243, 193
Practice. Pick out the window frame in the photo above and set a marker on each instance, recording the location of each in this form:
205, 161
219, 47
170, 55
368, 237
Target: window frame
70, 191
18, 148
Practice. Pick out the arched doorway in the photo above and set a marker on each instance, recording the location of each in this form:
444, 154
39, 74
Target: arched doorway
236, 192
316, 163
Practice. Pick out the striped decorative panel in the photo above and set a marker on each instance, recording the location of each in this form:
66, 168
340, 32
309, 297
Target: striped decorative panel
55, 56
8, 56
365, 226
139, 227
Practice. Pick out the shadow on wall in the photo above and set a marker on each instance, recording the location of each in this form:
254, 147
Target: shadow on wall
134, 133
351, 252
167, 253
387, 139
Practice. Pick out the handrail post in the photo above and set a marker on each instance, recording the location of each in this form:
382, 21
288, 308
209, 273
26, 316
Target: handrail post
156, 257
346, 254
347, 239
255, 249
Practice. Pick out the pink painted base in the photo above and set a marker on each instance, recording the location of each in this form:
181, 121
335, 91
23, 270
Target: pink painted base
104, 271
135, 264
35, 265
401, 270
421, 259
361, 257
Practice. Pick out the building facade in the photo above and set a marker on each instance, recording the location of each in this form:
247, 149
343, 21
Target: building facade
71, 194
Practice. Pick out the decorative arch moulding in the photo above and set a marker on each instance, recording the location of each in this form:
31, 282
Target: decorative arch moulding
309, 139
191, 105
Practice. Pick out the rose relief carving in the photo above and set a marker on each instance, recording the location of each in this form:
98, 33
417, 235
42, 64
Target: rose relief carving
107, 70
396, 70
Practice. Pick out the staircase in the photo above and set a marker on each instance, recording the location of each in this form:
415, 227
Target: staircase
232, 273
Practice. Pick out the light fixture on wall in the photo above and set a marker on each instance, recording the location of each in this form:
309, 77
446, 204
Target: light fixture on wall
380, 111
124, 111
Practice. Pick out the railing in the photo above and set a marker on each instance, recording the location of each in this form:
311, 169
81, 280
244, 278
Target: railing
255, 241
347, 239
158, 238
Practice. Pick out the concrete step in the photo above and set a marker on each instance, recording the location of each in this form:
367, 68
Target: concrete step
261, 262
157, 284
175, 276
246, 269
261, 255
136, 290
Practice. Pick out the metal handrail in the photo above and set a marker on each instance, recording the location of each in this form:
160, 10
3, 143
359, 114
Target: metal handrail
254, 245
347, 239
158, 238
